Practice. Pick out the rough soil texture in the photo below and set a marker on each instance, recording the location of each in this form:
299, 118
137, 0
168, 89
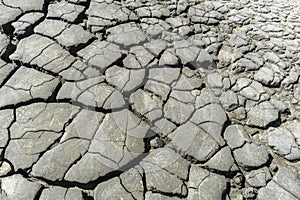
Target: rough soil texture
154, 100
